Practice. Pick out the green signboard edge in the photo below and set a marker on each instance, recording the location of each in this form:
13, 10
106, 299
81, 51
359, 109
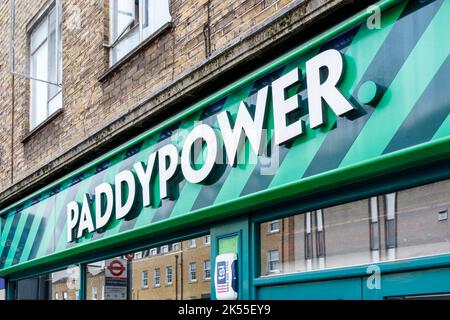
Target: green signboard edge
397, 160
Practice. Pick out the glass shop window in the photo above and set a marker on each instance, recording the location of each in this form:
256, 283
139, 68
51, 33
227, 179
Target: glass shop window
133, 21
151, 274
405, 224
60, 285
46, 67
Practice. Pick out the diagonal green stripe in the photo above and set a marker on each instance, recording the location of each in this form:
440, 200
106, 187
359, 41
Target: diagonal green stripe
49, 231
16, 239
6, 229
405, 90
238, 178
359, 56
444, 130
34, 228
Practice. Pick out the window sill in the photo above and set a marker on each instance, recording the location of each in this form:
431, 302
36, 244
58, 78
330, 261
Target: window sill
43, 124
103, 77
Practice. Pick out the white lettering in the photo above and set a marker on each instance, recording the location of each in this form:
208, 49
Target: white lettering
125, 177
234, 139
327, 91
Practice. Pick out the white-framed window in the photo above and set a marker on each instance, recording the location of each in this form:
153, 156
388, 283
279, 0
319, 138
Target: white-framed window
94, 293
138, 255
274, 226
169, 275
157, 277
153, 252
46, 67
207, 240
192, 243
192, 272
273, 261
164, 249
175, 246
56, 296
145, 279
133, 21
65, 296
207, 270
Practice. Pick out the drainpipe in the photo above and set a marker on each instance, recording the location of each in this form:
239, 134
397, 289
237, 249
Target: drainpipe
11, 69
181, 273
207, 30
176, 277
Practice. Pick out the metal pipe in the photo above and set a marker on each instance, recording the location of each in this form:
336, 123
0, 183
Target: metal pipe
12, 18
176, 277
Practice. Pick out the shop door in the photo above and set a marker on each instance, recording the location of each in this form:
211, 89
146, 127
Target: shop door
432, 284
346, 289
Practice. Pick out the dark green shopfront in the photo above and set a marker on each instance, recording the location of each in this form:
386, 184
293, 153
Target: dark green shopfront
326, 173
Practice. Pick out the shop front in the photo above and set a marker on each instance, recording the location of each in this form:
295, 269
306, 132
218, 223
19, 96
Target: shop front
323, 175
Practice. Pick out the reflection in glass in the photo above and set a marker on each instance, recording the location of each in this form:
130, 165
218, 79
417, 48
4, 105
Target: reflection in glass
2, 289
162, 273
399, 225
60, 285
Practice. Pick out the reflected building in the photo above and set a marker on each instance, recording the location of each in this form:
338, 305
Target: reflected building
178, 271
406, 224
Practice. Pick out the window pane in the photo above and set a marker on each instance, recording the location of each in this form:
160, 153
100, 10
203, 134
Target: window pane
45, 64
400, 225
122, 15
39, 35
39, 89
54, 56
155, 14
162, 273
128, 43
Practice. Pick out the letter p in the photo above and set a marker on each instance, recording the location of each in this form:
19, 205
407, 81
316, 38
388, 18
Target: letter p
73, 214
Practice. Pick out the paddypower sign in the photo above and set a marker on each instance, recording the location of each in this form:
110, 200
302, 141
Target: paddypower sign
118, 200
326, 113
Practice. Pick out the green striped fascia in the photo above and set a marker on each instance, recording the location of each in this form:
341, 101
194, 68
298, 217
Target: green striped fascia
369, 155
